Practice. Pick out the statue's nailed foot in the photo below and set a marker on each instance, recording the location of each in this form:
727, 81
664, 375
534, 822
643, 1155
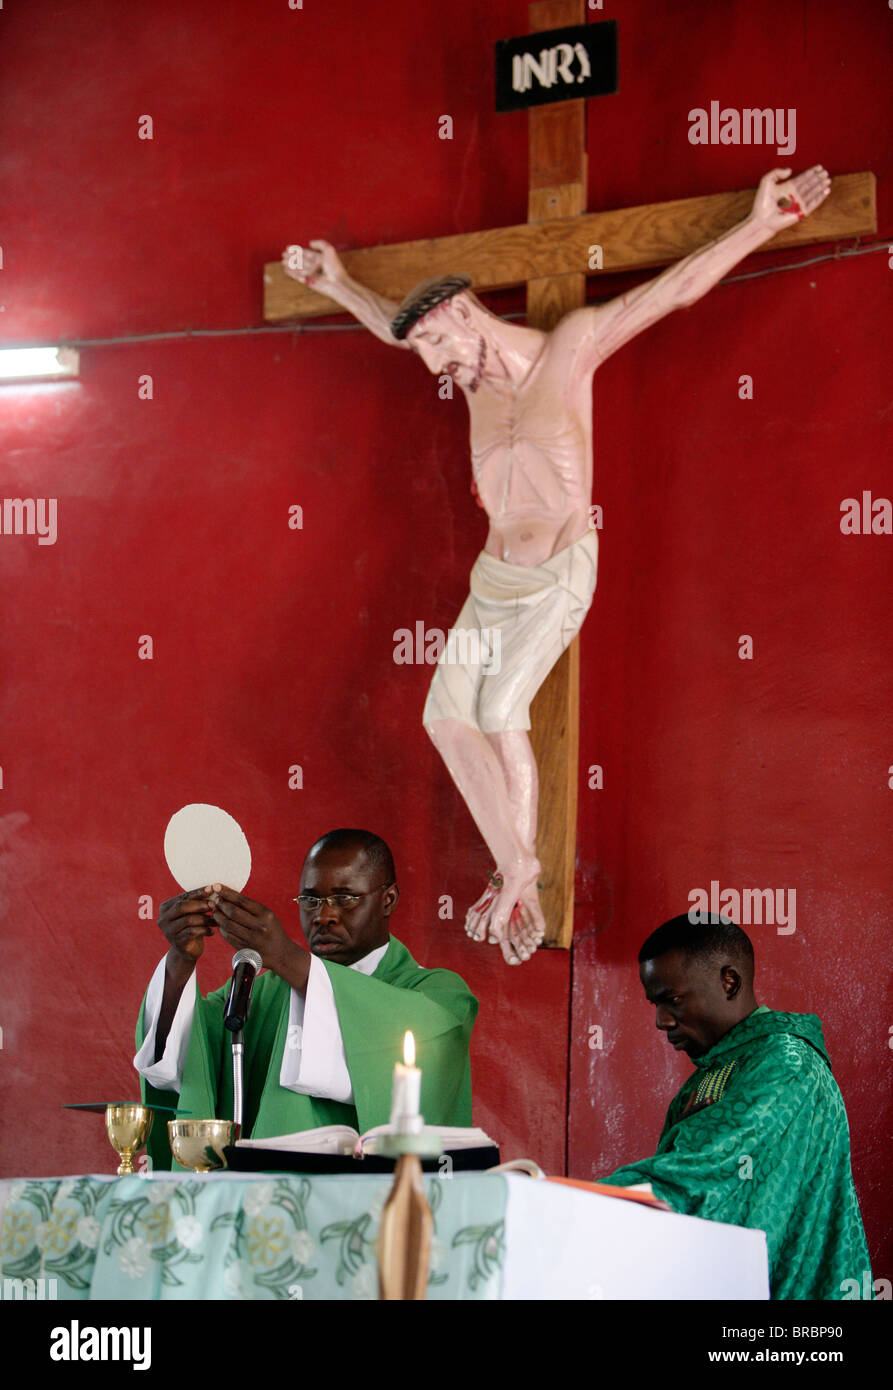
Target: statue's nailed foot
477, 918
508, 913
525, 929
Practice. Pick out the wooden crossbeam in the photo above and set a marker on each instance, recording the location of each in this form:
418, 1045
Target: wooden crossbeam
654, 234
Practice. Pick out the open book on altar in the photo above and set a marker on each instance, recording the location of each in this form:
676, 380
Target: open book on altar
341, 1139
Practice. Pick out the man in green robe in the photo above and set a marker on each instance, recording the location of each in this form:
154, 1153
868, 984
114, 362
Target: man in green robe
758, 1134
326, 1025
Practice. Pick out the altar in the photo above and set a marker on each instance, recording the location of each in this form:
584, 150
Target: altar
293, 1237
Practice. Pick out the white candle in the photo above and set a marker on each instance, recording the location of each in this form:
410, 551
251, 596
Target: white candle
407, 1091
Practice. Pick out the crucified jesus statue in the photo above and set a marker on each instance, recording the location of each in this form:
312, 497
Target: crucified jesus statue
529, 397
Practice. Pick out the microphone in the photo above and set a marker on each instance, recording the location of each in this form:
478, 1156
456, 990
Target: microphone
246, 964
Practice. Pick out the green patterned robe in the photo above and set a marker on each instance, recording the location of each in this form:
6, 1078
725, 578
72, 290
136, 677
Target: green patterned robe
374, 1012
758, 1136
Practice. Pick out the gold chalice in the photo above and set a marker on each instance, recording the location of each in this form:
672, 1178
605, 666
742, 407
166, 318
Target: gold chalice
128, 1128
199, 1144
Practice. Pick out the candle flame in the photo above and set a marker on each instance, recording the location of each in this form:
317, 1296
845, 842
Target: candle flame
408, 1050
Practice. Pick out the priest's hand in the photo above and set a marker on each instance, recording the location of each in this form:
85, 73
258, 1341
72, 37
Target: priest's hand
318, 266
244, 923
185, 923
781, 201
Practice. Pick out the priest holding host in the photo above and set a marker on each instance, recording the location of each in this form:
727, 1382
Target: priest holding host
326, 1023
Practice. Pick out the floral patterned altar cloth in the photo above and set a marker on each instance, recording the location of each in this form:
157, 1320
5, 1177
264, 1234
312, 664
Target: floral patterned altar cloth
236, 1236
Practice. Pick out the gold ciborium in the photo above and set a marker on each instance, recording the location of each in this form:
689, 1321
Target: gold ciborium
128, 1128
199, 1144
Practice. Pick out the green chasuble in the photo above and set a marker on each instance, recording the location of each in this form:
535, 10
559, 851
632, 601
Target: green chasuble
758, 1136
374, 1012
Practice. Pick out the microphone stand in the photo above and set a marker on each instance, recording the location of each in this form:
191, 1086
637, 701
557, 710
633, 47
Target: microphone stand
238, 1049
246, 963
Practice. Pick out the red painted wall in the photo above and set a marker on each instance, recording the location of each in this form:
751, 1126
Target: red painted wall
274, 647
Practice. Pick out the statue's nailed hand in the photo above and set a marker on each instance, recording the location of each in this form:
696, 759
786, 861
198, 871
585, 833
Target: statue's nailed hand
318, 265
781, 201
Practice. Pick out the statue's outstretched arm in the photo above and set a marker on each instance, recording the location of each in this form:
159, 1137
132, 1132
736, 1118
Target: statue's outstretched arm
322, 270
780, 202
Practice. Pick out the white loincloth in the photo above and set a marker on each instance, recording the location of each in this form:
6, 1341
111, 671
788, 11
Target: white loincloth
528, 615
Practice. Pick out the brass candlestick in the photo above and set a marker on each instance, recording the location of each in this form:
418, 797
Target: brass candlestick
406, 1226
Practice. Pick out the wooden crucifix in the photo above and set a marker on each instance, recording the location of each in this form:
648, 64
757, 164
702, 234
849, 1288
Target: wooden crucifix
551, 253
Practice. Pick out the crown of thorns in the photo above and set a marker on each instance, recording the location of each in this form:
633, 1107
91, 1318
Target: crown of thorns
424, 298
